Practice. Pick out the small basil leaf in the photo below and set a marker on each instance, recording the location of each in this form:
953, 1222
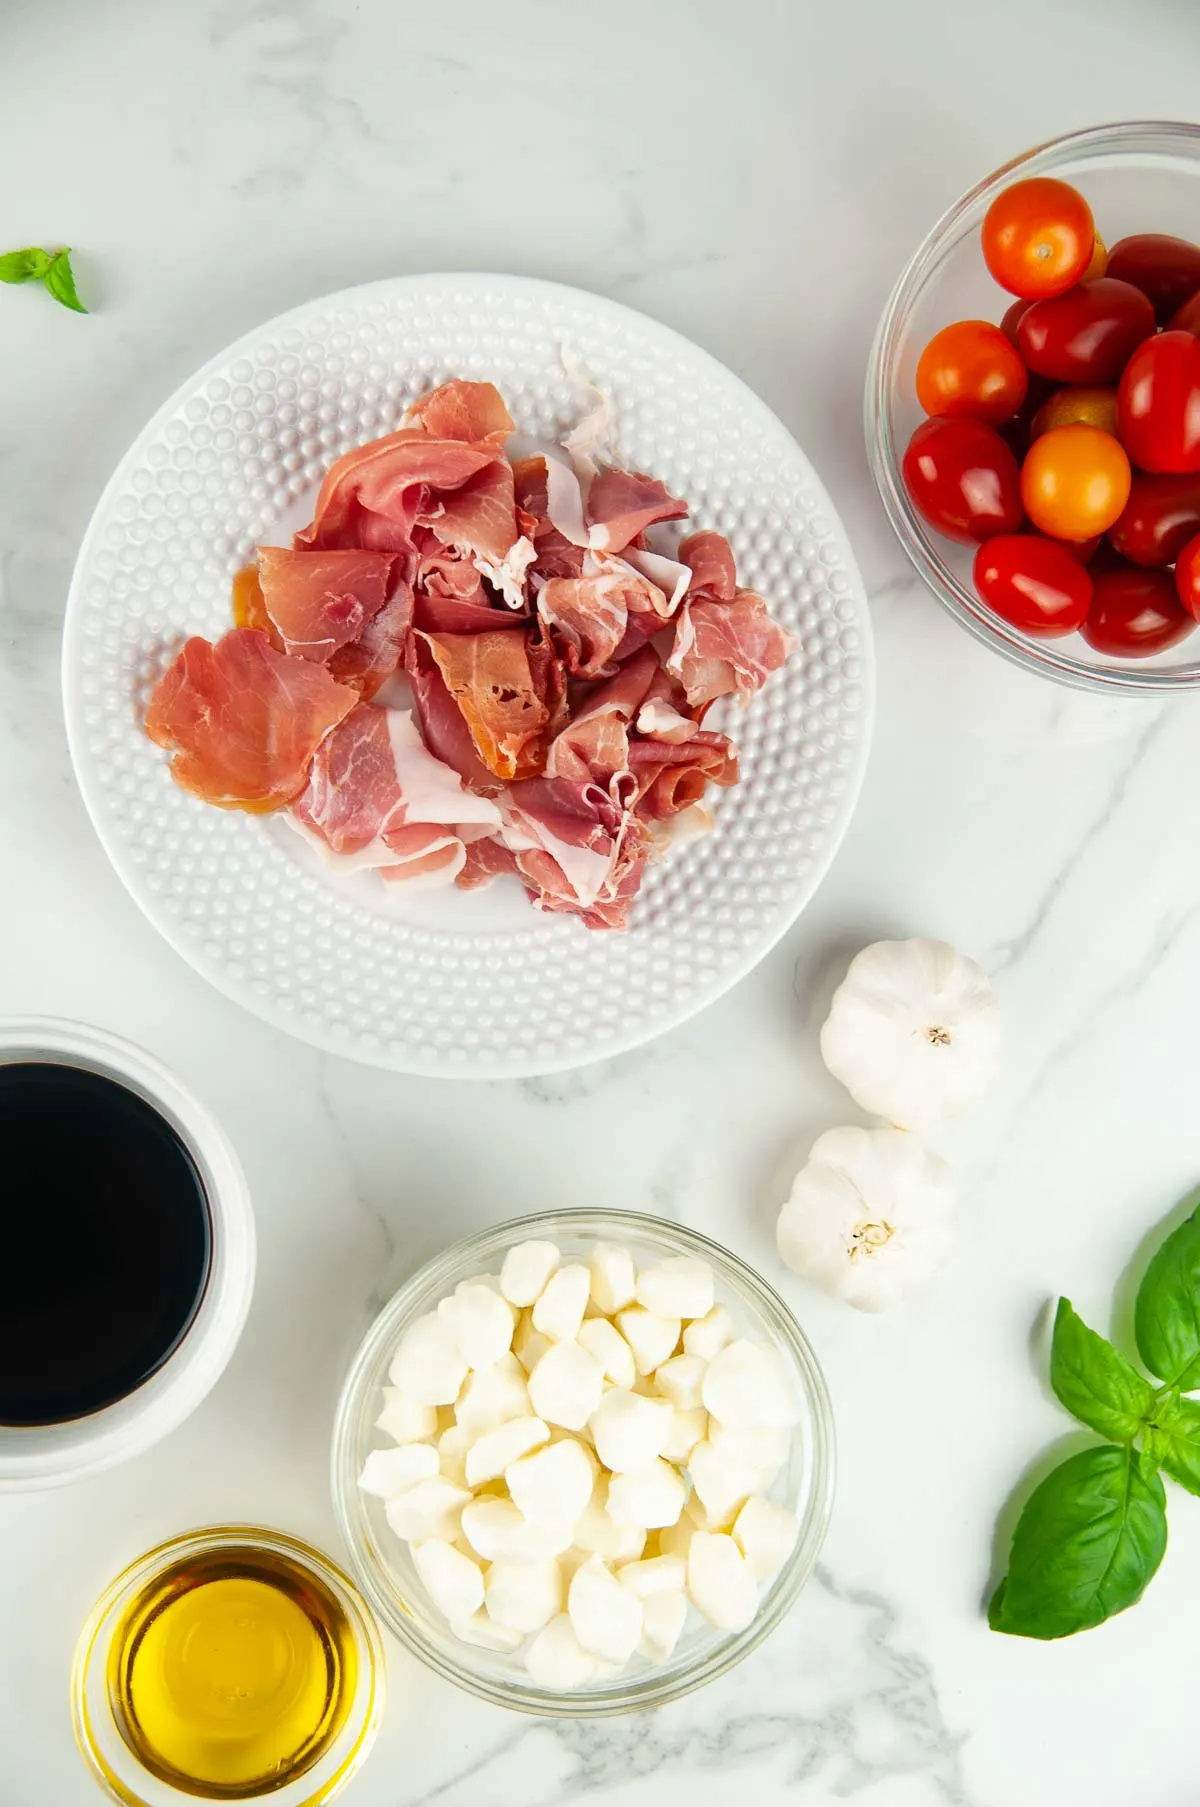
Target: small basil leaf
1166, 1317
1090, 1538
60, 280
24, 266
1094, 1381
1173, 1441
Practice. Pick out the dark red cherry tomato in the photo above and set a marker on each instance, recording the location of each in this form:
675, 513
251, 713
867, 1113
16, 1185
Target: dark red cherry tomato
1161, 515
1158, 403
1034, 584
1012, 319
1082, 551
1164, 268
1187, 320
1187, 577
1086, 335
963, 478
1135, 613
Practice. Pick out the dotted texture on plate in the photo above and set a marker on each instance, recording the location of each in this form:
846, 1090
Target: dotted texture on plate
231, 461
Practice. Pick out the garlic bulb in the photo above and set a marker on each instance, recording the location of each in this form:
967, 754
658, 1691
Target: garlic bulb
913, 1032
870, 1217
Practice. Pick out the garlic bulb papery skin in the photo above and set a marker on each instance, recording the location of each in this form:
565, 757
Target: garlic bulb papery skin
913, 1032
871, 1217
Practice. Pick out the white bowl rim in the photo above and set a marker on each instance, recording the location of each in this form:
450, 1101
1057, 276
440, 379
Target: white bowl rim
36, 1456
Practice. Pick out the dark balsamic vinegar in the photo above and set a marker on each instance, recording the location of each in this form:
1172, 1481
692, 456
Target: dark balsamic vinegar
105, 1242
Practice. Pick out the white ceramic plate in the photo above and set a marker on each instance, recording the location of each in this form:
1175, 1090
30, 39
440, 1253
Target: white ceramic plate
452, 983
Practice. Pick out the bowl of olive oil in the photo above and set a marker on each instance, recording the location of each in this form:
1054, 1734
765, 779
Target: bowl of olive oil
228, 1665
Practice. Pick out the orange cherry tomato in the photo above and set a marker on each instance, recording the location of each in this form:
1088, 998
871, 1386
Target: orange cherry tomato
1099, 264
971, 368
1038, 237
1081, 404
1075, 482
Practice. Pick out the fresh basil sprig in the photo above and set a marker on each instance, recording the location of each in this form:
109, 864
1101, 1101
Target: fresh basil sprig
1090, 1538
1093, 1532
53, 268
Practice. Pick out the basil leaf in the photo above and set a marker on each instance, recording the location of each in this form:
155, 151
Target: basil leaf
1173, 1441
1090, 1538
24, 266
60, 280
1094, 1381
1166, 1317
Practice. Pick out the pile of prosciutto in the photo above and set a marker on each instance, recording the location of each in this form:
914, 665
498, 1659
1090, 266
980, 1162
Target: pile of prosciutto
473, 663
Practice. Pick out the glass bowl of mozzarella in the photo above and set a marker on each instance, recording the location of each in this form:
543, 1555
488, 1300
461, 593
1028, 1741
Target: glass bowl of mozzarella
583, 1462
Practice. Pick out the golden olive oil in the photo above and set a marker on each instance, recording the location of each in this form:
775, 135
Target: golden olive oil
232, 1672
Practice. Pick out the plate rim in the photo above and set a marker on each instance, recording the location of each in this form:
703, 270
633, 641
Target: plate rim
490, 1068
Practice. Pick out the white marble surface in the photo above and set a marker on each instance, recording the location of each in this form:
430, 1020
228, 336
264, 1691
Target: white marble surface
753, 174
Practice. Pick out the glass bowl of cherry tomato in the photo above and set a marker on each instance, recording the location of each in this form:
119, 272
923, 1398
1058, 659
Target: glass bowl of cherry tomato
1033, 409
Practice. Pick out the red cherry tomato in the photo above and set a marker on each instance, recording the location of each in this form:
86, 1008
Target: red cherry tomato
971, 368
1187, 320
1082, 551
1164, 268
1038, 237
963, 478
1012, 319
1086, 335
1161, 515
1033, 583
1158, 403
1187, 577
1135, 613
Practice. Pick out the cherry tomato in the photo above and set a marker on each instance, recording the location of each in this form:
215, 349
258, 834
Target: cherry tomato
1161, 515
1099, 264
1158, 403
1164, 268
1085, 406
1187, 320
1038, 237
971, 368
1187, 577
1034, 584
1074, 482
963, 478
1082, 551
1086, 335
1012, 319
1135, 613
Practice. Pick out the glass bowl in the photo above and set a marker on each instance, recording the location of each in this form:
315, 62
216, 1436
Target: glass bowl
381, 1562
1138, 176
96, 1710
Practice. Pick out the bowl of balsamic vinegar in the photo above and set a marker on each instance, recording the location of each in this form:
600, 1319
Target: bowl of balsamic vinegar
127, 1251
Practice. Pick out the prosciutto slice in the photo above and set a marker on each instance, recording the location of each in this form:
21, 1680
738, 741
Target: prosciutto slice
502, 695
243, 721
591, 614
726, 648
377, 798
709, 557
672, 775
479, 517
318, 602
472, 412
622, 504
368, 662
